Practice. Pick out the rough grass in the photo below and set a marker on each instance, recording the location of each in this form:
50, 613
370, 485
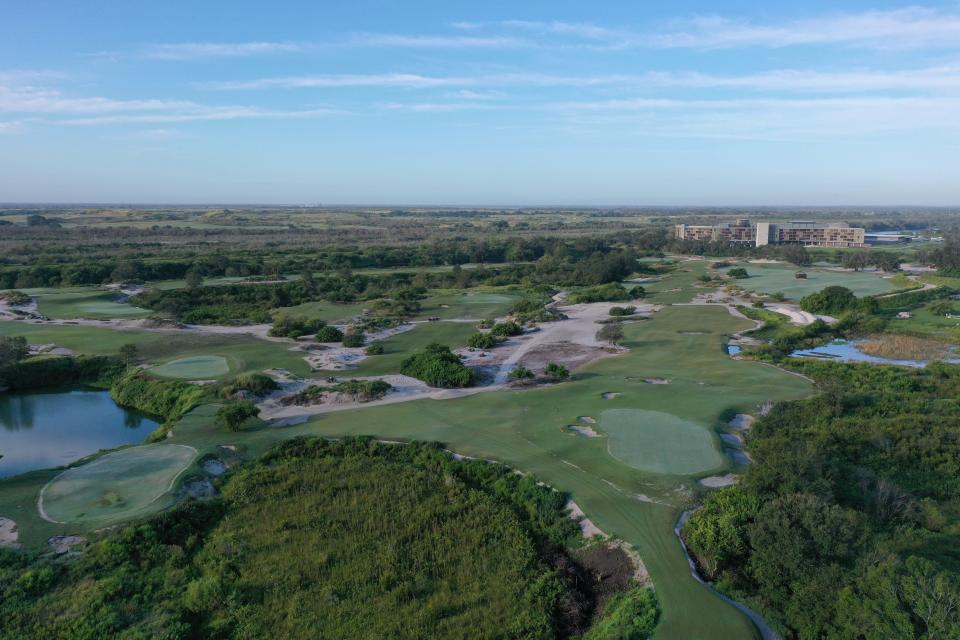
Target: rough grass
906, 347
117, 486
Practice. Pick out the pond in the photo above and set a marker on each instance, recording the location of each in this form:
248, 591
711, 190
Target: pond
46, 429
847, 351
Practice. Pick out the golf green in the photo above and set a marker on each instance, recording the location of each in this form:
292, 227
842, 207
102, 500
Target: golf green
193, 368
117, 486
773, 278
659, 442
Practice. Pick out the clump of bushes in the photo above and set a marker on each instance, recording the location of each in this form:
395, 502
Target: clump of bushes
294, 326
738, 272
622, 311
438, 366
521, 374
627, 616
557, 372
374, 349
612, 292
354, 339
329, 334
482, 340
15, 298
505, 329
169, 399
232, 416
836, 300
363, 390
256, 384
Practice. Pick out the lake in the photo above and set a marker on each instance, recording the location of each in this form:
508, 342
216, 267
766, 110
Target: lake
47, 429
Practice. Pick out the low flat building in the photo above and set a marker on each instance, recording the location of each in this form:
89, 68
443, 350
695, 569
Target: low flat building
831, 234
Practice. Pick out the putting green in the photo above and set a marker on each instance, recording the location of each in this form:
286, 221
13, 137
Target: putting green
659, 442
771, 278
193, 368
117, 486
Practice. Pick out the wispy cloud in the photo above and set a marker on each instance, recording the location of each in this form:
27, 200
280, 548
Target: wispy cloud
12, 126
198, 50
906, 27
926, 78
204, 115
437, 41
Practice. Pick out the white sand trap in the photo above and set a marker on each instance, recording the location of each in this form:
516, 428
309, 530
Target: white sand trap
8, 534
229, 447
715, 482
586, 432
741, 421
609, 395
587, 528
691, 333
657, 380
738, 456
586, 419
731, 439
62, 544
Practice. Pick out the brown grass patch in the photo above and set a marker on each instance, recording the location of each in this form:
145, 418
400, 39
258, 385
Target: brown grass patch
902, 347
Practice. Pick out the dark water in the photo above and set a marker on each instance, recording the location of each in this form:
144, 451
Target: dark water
51, 428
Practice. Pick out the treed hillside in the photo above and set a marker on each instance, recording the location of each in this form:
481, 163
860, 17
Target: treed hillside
320, 539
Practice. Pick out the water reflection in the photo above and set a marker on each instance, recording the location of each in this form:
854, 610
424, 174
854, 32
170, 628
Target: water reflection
52, 428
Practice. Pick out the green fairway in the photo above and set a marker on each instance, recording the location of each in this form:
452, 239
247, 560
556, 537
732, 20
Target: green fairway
771, 278
117, 486
659, 442
193, 368
85, 303
402, 345
677, 285
466, 304
244, 353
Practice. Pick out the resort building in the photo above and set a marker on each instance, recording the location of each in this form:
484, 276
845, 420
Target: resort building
831, 234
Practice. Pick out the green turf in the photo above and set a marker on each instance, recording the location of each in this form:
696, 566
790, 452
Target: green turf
193, 368
477, 305
402, 345
527, 429
244, 353
678, 284
771, 278
659, 442
117, 486
333, 312
85, 303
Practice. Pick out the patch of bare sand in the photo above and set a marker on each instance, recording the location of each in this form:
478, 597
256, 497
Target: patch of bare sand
8, 534
64, 544
657, 380
586, 432
715, 482
587, 528
741, 421
610, 395
587, 419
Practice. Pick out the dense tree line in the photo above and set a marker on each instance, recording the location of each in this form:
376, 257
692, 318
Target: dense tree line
845, 526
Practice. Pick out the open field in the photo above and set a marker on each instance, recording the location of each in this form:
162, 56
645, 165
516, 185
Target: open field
85, 303
118, 486
773, 278
243, 353
475, 305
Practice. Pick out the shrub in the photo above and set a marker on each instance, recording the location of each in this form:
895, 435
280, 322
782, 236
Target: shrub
504, 329
611, 333
363, 390
437, 366
15, 298
557, 372
329, 334
627, 616
257, 384
232, 416
374, 349
738, 272
622, 311
354, 339
482, 341
613, 292
294, 326
521, 374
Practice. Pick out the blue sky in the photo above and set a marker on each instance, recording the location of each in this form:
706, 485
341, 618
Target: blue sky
486, 103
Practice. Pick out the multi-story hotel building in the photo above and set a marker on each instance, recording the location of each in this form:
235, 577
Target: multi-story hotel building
831, 234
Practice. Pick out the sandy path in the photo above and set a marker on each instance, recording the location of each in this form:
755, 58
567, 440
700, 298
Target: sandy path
8, 534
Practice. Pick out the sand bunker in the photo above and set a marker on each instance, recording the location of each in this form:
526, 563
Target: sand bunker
8, 534
587, 528
609, 395
200, 489
731, 439
63, 544
586, 432
741, 421
657, 380
715, 482
739, 457
586, 419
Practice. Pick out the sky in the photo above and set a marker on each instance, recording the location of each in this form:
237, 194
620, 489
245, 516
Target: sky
480, 103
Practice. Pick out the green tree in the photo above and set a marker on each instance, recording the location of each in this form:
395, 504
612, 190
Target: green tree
557, 372
129, 353
612, 333
232, 416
